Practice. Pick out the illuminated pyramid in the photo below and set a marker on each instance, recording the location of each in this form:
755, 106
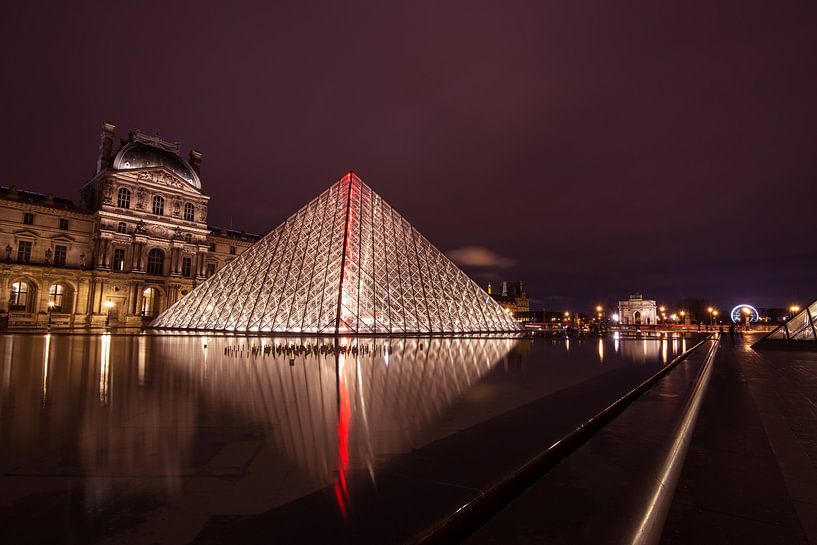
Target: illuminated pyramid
801, 327
346, 263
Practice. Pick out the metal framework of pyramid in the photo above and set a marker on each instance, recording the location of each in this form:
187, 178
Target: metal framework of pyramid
800, 327
346, 263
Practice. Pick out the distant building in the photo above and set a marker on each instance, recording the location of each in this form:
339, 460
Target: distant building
637, 310
135, 244
512, 297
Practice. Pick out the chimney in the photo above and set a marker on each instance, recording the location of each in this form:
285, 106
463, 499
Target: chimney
105, 148
195, 161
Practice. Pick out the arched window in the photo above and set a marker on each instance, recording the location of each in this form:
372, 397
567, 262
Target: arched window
158, 205
123, 198
189, 212
55, 297
19, 296
156, 259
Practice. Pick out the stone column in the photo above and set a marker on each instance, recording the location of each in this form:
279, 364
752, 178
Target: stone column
200, 265
108, 252
100, 253
5, 294
140, 289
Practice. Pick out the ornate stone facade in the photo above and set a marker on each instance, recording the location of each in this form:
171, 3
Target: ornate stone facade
137, 242
638, 310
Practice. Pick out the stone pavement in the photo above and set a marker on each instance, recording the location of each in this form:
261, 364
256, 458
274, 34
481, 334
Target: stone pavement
751, 472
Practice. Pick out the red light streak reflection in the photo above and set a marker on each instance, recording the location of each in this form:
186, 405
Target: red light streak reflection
344, 413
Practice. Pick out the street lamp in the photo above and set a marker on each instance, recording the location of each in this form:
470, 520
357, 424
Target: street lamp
108, 305
712, 314
50, 308
794, 309
683, 313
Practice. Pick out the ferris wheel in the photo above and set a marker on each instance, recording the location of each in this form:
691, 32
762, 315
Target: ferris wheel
740, 312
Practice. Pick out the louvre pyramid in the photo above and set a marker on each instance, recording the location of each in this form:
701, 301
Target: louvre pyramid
801, 327
346, 263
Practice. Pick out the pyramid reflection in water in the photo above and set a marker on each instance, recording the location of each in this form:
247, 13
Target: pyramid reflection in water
346, 263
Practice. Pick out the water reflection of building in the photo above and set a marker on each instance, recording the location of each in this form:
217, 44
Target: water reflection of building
141, 413
136, 243
637, 310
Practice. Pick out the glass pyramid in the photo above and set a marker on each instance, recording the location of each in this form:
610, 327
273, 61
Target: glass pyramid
801, 327
346, 263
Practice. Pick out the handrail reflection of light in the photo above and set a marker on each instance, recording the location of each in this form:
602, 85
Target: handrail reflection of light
616, 338
104, 366
601, 350
664, 350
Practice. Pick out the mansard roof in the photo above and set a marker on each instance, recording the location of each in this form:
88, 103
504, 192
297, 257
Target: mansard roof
144, 151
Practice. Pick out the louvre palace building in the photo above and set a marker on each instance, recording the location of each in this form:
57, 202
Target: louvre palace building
135, 243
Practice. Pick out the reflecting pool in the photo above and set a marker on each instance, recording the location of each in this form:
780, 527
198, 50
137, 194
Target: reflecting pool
141, 438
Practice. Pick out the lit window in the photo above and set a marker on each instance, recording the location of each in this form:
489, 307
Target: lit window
187, 266
158, 205
60, 254
19, 296
123, 198
64, 224
55, 296
119, 259
24, 251
189, 212
156, 259
28, 218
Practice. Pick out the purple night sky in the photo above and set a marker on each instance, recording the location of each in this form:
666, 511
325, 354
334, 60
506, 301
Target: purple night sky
593, 149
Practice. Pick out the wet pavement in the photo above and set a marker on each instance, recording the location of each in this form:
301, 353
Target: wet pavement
751, 473
750, 476
168, 439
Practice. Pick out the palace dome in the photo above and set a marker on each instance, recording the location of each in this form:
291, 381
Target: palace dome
139, 154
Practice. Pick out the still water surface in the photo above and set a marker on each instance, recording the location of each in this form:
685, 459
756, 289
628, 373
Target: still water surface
140, 439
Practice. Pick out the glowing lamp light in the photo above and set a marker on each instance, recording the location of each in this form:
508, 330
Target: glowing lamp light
109, 304
616, 317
